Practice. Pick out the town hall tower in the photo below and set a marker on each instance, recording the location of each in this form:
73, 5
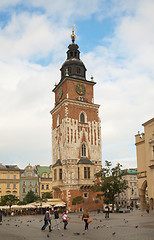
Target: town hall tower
76, 134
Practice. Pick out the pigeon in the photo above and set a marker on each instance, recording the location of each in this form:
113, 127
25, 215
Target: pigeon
113, 233
77, 233
48, 235
62, 234
136, 226
100, 220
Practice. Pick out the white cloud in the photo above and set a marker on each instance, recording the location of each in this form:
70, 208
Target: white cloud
123, 72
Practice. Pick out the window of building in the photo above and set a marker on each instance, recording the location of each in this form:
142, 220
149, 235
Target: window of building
42, 186
8, 185
58, 120
87, 172
45, 175
130, 178
8, 176
134, 183
134, 178
24, 183
47, 187
131, 184
55, 174
82, 118
83, 150
69, 70
85, 195
60, 174
14, 185
35, 190
23, 190
78, 70
78, 173
14, 176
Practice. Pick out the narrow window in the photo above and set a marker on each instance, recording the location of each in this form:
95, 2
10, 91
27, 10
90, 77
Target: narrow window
60, 174
78, 173
47, 187
86, 172
42, 186
83, 150
82, 118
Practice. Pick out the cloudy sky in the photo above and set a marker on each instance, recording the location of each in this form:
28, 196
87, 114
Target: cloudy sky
116, 40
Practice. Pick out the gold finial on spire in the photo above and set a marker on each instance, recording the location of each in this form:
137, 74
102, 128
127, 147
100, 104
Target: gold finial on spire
73, 35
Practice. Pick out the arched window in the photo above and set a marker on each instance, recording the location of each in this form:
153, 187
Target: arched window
82, 118
83, 150
58, 120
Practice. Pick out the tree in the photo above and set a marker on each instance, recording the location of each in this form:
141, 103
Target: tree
9, 200
77, 200
47, 195
110, 182
30, 197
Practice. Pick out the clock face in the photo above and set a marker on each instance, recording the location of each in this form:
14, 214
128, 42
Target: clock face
80, 89
60, 92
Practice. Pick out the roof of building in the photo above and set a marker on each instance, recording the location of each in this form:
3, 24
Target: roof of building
130, 171
84, 161
9, 167
58, 163
43, 169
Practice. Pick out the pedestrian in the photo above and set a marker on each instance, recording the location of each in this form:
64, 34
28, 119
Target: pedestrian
85, 217
64, 217
56, 215
107, 210
147, 208
47, 220
0, 217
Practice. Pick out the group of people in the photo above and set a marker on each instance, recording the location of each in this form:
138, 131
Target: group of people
47, 220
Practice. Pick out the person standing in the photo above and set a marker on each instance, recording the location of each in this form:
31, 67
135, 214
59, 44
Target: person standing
64, 217
85, 217
47, 220
107, 210
0, 217
56, 214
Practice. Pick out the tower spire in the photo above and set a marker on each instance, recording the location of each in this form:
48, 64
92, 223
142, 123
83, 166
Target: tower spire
73, 35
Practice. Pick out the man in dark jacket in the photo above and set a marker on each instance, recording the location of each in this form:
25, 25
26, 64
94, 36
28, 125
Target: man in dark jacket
47, 220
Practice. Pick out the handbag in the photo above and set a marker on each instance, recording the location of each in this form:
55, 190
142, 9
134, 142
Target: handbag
89, 220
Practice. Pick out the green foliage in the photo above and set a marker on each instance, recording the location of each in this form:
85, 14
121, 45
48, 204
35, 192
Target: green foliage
78, 200
9, 200
110, 182
47, 195
30, 197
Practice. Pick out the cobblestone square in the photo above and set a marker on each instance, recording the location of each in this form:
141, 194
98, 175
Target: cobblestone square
136, 225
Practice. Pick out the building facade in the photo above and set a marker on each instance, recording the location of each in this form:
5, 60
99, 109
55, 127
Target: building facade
76, 133
145, 163
9, 180
130, 195
28, 181
45, 179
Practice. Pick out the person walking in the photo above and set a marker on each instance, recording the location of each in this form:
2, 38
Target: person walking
47, 220
64, 217
85, 217
56, 215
